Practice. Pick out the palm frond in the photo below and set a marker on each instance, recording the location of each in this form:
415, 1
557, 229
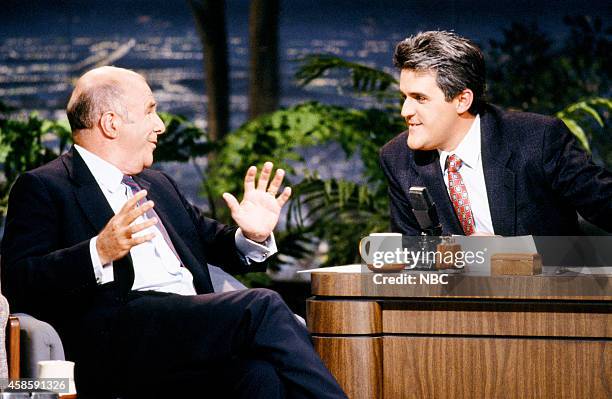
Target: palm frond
364, 79
337, 212
182, 140
578, 115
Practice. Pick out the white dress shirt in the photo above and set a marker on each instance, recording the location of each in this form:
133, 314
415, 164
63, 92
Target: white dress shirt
156, 267
473, 176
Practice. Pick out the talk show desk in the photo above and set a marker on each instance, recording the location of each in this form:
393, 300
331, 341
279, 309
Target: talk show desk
474, 337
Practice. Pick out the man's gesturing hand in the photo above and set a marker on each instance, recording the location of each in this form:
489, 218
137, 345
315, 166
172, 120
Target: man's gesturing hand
116, 239
260, 208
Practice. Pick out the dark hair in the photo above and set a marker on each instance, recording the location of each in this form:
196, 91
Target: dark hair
457, 61
85, 107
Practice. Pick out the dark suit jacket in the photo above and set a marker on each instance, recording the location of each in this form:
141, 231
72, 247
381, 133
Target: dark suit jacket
47, 271
536, 175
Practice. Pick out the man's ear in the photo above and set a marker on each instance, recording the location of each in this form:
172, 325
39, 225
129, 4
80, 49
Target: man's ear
464, 100
110, 123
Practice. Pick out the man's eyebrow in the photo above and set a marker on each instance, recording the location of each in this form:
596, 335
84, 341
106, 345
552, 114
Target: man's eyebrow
417, 94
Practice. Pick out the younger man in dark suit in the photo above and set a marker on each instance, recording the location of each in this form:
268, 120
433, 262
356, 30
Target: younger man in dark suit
488, 171
115, 258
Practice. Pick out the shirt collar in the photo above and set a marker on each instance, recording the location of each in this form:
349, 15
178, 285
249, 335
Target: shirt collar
468, 149
106, 174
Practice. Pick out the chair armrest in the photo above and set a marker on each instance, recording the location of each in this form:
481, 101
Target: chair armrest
12, 333
39, 341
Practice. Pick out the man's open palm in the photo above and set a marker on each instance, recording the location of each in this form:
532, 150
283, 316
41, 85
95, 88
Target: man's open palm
258, 213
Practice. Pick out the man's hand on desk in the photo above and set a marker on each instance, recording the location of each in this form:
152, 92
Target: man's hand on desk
260, 208
117, 237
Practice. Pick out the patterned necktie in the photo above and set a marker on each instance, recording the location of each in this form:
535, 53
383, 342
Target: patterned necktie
459, 195
128, 181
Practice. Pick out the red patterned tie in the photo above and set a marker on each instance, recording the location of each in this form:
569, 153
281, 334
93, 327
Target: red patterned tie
459, 195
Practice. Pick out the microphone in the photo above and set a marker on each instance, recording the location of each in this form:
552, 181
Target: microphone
424, 209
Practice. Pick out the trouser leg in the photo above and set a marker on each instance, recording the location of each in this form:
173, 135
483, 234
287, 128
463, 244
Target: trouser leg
256, 379
285, 342
240, 379
167, 334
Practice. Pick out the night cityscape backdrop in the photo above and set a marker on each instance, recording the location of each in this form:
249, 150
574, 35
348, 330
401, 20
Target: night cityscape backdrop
45, 44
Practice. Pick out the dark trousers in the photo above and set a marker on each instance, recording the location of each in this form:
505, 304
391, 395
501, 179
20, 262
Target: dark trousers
242, 344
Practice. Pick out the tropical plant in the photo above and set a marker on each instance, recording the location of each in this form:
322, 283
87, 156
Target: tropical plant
26, 143
338, 213
183, 141
587, 121
364, 80
530, 71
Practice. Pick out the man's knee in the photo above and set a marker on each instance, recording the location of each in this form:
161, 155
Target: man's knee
263, 303
270, 300
266, 294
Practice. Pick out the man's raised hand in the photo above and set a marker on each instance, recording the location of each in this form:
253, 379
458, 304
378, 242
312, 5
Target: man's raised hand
258, 213
117, 237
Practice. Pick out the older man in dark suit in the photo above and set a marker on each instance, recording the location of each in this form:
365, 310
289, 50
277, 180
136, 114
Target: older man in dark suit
488, 171
116, 259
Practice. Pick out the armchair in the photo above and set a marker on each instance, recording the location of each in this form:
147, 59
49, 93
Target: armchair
36, 341
28, 341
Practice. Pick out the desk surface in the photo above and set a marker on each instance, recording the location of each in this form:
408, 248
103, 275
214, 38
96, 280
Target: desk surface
347, 281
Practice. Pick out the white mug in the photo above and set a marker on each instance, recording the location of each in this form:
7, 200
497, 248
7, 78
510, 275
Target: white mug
380, 242
58, 369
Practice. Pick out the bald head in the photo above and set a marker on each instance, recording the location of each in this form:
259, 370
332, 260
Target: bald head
113, 114
96, 92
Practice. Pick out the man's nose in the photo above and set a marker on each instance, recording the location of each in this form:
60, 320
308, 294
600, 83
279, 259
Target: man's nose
408, 108
159, 127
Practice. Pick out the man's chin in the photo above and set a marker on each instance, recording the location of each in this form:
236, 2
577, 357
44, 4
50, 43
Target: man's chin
145, 165
417, 145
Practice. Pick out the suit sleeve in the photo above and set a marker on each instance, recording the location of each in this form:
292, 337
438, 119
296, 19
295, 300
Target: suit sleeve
400, 211
33, 264
218, 240
576, 178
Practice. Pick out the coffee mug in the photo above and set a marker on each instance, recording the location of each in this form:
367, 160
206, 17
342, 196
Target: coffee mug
58, 369
373, 247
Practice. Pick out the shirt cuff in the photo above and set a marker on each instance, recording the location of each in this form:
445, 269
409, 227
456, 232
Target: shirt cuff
104, 274
254, 251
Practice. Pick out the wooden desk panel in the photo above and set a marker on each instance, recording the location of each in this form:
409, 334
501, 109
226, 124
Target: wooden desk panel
456, 368
356, 362
344, 317
524, 318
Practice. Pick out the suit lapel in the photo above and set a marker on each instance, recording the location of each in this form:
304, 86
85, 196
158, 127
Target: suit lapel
87, 192
498, 178
97, 211
428, 167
